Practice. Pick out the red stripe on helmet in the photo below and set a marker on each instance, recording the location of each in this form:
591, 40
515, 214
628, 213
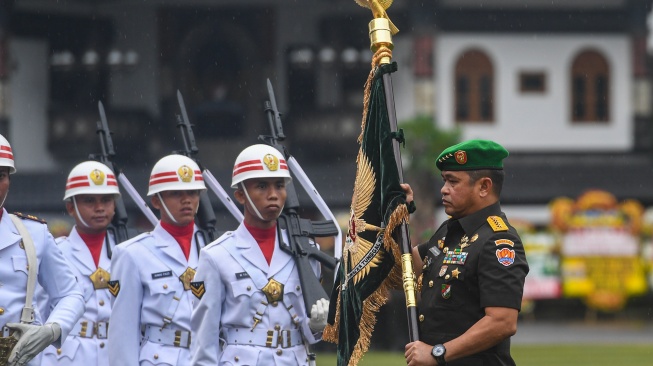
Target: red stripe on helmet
164, 174
245, 163
77, 185
247, 169
5, 148
154, 182
112, 183
7, 155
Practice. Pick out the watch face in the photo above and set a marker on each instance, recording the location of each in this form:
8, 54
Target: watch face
438, 350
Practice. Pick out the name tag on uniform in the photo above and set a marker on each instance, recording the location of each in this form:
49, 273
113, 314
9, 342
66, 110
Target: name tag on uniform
241, 275
161, 275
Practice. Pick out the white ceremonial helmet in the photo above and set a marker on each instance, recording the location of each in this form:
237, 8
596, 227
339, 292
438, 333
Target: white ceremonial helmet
175, 173
91, 177
259, 161
6, 155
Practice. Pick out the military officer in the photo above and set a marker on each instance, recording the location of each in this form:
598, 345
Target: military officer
27, 253
472, 269
250, 309
150, 316
91, 189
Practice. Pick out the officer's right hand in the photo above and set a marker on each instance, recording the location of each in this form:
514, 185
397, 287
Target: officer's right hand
32, 340
408, 191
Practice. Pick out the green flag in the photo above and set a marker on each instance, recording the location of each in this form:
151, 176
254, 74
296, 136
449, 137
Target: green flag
371, 263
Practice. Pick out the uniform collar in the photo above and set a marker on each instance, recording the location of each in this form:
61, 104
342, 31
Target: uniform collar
471, 223
8, 231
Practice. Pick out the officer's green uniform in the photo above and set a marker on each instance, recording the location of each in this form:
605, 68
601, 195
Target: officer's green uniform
471, 263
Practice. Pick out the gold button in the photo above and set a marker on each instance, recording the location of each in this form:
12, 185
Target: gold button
298, 288
21, 245
156, 356
279, 352
102, 345
249, 288
236, 358
58, 351
431, 283
447, 277
2, 311
277, 327
165, 287
101, 302
421, 317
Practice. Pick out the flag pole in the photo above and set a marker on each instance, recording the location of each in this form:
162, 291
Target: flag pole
381, 38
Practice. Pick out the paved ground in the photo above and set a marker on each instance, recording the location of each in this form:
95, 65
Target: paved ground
577, 332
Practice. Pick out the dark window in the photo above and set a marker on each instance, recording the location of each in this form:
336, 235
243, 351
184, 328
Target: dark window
590, 88
474, 89
530, 82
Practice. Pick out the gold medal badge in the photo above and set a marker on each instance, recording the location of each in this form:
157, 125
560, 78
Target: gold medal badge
187, 277
100, 279
185, 173
271, 161
97, 177
461, 157
273, 291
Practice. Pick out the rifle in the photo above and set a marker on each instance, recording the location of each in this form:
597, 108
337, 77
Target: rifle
300, 231
120, 218
205, 215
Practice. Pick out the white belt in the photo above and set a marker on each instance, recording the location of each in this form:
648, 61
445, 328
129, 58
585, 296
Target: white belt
88, 329
263, 338
168, 337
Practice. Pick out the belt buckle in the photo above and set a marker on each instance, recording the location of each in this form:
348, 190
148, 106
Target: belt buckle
285, 338
272, 340
177, 342
83, 331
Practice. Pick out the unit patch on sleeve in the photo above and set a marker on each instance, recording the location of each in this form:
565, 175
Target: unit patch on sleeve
114, 287
197, 288
504, 242
506, 256
497, 224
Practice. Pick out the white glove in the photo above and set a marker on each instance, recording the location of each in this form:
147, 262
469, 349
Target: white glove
32, 340
319, 312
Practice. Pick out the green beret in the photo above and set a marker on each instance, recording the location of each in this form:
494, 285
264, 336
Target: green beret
472, 155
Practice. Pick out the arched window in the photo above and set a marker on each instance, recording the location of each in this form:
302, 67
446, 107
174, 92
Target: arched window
590, 87
474, 87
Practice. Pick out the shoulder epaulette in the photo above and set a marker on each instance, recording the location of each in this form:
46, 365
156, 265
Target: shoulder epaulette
221, 239
29, 217
497, 223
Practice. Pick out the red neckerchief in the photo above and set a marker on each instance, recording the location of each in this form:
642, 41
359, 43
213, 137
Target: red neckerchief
182, 234
94, 243
265, 239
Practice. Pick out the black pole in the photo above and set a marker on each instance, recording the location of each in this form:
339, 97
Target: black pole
402, 235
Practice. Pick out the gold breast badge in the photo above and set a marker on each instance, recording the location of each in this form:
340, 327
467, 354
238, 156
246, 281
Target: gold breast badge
465, 242
187, 277
273, 290
100, 279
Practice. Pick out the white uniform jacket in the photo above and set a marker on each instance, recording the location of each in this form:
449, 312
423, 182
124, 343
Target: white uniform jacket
148, 269
87, 343
54, 275
231, 270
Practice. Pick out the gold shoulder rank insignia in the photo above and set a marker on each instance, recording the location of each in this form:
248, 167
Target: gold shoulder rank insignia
29, 217
497, 224
197, 288
114, 287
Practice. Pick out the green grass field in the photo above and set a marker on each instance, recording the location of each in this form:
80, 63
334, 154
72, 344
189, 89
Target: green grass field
536, 355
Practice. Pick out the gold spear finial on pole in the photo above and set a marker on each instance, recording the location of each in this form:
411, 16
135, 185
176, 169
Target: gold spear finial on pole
378, 8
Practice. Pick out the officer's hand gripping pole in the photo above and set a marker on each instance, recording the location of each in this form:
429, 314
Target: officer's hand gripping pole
301, 231
120, 218
205, 215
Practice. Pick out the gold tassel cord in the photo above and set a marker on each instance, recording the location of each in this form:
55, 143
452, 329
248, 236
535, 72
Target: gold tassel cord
380, 53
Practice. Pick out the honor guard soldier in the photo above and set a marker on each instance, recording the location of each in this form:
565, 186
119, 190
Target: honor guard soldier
29, 253
152, 304
250, 309
472, 271
91, 189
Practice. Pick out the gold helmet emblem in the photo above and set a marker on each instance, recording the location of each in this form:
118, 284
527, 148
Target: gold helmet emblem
185, 173
97, 176
271, 161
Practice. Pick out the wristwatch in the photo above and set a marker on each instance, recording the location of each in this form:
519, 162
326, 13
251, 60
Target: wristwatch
438, 353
